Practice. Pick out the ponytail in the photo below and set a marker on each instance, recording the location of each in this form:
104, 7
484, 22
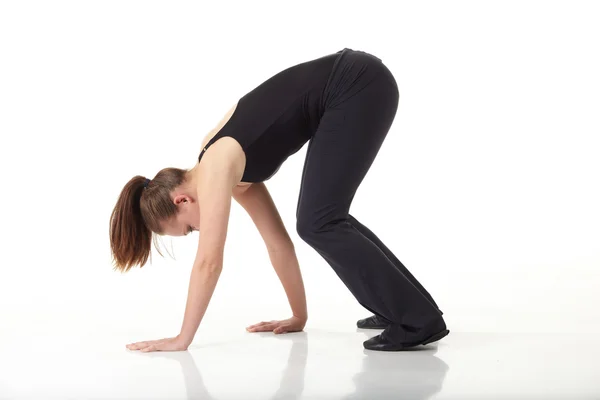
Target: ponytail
140, 209
130, 238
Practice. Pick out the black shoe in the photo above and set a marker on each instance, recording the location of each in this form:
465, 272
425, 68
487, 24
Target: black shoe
382, 343
376, 322
372, 322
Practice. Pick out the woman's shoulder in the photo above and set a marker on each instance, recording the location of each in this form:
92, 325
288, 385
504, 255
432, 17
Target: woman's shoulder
218, 127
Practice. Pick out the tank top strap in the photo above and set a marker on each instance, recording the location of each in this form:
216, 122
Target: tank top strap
210, 142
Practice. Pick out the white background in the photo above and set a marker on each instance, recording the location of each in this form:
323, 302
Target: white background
486, 188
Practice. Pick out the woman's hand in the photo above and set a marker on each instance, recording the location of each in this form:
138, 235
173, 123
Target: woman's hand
293, 324
168, 344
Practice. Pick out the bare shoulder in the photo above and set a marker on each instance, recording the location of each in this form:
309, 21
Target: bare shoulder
217, 128
226, 151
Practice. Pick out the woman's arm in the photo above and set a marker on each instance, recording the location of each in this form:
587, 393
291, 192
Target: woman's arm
257, 201
216, 182
287, 268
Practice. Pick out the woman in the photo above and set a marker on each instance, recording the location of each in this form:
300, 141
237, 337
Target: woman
343, 104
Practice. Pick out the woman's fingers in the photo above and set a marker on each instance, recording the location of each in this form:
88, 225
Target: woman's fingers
169, 344
280, 329
263, 326
275, 326
152, 347
284, 326
140, 345
264, 323
136, 346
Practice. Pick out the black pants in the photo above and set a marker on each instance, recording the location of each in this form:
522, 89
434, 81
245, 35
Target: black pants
360, 104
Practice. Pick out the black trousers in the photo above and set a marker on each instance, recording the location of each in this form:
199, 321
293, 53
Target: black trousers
360, 104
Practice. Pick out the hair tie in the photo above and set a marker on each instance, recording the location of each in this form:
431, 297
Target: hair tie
147, 182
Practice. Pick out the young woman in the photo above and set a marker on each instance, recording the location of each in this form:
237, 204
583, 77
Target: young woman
343, 105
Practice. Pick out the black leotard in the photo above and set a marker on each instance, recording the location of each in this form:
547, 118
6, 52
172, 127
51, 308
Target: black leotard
274, 120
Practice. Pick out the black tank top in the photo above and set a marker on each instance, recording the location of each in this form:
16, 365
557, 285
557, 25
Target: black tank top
274, 120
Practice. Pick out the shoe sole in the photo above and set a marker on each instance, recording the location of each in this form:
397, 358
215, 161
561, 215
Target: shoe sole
436, 337
431, 339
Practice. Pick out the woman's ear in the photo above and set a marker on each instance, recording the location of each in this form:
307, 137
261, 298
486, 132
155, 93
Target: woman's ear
180, 198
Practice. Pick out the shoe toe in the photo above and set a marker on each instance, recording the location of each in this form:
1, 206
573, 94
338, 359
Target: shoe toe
372, 322
365, 322
381, 343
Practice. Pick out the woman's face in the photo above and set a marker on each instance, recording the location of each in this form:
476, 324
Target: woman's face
187, 218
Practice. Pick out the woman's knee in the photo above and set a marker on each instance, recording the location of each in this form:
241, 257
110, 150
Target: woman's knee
304, 228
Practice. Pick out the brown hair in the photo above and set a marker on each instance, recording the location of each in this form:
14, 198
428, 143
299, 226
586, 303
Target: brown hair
138, 213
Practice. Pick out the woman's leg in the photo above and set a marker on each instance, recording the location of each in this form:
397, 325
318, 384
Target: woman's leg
377, 321
397, 263
339, 155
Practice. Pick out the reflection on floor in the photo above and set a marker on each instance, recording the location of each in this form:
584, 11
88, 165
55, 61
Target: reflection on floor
315, 364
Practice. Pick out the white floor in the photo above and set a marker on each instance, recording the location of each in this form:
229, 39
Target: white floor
315, 364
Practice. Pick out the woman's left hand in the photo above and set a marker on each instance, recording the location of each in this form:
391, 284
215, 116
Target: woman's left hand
168, 344
293, 324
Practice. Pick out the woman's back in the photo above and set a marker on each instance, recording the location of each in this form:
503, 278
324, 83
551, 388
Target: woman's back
274, 120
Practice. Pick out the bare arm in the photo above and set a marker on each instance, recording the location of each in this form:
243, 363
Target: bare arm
216, 182
257, 201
